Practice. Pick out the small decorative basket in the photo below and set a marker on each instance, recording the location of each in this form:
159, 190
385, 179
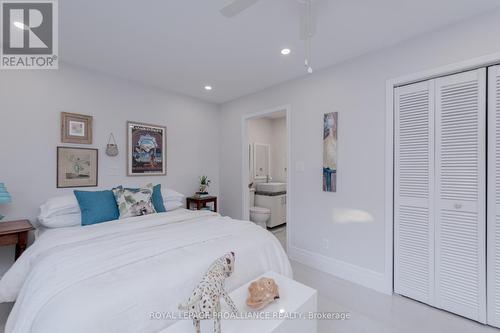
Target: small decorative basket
112, 147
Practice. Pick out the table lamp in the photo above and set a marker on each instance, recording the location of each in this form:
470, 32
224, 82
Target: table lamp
4, 196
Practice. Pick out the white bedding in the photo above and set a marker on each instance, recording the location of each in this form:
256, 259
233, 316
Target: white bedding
109, 277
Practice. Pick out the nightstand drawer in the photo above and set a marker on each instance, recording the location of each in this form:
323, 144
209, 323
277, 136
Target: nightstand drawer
8, 239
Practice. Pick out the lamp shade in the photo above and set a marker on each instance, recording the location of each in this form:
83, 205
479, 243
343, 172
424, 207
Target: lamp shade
4, 195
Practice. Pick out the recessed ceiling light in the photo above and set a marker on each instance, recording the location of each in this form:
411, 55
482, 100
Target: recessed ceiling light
285, 51
208, 87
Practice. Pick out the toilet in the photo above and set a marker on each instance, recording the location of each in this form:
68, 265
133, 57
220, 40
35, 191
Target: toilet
259, 215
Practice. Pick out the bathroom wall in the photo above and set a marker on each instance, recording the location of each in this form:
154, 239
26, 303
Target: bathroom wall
279, 149
271, 131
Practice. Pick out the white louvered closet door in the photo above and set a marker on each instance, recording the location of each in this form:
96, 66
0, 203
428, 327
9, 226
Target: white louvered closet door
413, 197
461, 194
493, 264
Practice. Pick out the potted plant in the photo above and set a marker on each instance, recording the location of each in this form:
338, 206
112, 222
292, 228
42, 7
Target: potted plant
204, 184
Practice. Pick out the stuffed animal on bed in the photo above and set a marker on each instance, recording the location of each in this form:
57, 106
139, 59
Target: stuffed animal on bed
204, 302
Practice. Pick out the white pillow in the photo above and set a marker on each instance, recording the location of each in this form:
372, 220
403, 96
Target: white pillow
171, 205
59, 206
171, 195
61, 221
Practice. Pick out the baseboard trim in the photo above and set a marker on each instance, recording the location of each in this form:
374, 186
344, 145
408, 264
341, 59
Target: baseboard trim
341, 269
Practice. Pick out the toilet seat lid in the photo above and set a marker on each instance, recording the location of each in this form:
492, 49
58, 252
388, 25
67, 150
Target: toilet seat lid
260, 210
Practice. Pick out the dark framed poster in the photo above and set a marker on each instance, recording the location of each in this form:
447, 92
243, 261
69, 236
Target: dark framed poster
146, 149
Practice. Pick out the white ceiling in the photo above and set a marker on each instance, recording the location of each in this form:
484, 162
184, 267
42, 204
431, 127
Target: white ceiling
182, 45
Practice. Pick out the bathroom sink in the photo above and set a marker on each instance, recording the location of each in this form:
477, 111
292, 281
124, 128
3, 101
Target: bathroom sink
271, 187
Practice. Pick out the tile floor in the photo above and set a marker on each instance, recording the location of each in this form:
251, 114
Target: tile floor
373, 312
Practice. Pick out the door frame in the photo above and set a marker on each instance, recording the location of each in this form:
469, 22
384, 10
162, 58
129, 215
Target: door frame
391, 84
245, 162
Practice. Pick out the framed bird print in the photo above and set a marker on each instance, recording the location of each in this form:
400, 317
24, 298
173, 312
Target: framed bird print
77, 167
76, 128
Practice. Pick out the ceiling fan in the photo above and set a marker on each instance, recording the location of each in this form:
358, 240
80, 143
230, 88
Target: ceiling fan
236, 7
307, 21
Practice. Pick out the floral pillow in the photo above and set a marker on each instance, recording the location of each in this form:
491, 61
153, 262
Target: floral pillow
134, 202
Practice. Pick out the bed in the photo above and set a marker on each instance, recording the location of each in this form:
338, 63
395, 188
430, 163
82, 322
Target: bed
111, 277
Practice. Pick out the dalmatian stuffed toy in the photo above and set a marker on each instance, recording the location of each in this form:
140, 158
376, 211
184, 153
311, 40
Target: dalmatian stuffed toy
204, 302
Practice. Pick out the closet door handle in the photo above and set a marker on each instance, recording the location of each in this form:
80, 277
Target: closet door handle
458, 205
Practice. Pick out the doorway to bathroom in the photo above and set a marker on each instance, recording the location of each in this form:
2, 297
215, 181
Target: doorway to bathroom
266, 178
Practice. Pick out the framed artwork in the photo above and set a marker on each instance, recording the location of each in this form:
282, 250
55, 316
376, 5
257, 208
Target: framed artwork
76, 128
146, 149
77, 167
330, 125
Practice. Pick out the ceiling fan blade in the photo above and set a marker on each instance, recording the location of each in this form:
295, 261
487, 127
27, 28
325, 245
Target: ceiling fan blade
236, 7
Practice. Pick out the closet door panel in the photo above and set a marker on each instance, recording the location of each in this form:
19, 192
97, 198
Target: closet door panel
493, 264
413, 185
461, 194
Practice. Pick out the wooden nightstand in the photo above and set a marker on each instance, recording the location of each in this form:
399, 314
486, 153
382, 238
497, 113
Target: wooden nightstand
15, 232
201, 202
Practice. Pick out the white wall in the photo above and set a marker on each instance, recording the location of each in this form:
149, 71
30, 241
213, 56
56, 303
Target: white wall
343, 232
270, 131
279, 149
30, 106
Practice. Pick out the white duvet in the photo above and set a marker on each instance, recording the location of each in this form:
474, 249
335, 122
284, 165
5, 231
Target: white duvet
110, 277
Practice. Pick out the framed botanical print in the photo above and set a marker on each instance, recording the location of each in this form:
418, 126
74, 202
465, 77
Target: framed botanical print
146, 149
77, 167
76, 128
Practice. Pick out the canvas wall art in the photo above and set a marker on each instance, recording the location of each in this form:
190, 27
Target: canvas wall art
146, 149
330, 125
77, 167
76, 128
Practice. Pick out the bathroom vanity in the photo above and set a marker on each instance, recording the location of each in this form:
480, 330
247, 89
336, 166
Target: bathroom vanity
272, 196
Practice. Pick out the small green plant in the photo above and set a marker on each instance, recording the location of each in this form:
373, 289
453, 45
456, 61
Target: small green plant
204, 183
